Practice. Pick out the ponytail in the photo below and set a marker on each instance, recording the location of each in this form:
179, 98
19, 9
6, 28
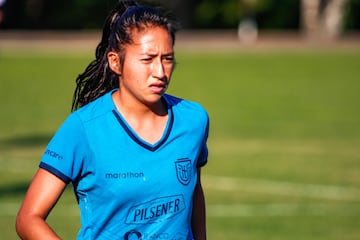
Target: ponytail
98, 79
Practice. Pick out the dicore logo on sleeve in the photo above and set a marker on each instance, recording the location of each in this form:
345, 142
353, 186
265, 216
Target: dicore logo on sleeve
53, 154
156, 210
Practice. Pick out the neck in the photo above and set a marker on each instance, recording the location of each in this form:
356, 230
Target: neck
149, 122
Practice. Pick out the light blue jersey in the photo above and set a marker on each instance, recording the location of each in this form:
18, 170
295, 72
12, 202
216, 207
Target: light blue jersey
127, 188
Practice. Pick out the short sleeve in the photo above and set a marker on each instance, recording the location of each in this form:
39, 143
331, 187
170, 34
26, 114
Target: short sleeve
66, 151
203, 156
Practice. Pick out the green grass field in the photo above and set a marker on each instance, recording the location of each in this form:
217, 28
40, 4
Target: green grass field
284, 143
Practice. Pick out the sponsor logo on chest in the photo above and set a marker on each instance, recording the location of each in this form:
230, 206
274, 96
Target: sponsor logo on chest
156, 210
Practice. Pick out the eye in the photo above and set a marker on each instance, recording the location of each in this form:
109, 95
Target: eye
146, 60
169, 59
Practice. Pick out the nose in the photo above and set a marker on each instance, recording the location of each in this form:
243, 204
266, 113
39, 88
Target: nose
158, 70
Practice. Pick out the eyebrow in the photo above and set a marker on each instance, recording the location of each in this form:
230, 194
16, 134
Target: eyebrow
155, 54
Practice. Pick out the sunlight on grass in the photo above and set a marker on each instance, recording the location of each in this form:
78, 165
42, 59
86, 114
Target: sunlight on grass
284, 137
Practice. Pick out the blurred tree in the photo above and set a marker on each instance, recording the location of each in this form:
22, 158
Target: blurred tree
217, 14
2, 3
323, 18
183, 10
251, 7
65, 14
267, 14
352, 15
273, 14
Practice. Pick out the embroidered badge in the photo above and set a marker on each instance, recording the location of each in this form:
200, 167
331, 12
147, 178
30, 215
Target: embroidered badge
183, 170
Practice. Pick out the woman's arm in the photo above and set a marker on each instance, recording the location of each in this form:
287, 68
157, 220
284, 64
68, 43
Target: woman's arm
198, 221
43, 193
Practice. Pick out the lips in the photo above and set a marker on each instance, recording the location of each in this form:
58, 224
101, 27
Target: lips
158, 87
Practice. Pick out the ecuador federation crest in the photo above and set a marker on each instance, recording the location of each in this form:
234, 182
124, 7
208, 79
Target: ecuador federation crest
183, 170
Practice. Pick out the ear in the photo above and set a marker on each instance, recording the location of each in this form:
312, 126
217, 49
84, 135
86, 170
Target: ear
114, 62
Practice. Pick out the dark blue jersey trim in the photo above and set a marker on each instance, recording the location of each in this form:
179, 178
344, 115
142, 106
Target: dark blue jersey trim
141, 143
199, 165
56, 172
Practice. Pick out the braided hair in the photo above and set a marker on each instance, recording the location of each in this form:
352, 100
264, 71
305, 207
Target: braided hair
98, 78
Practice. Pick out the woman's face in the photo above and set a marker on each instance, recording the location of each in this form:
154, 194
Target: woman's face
147, 66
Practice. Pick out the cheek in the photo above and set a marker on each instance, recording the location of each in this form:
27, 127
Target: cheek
132, 69
169, 70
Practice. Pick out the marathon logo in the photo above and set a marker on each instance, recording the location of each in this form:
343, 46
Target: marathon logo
53, 154
156, 210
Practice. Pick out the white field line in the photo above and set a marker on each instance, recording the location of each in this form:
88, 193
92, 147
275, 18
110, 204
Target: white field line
18, 165
330, 192
67, 210
281, 188
281, 210
10, 209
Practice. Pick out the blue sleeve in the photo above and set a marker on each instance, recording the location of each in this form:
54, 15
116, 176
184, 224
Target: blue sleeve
203, 157
65, 153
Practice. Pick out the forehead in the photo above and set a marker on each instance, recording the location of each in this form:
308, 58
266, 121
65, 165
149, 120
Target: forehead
150, 39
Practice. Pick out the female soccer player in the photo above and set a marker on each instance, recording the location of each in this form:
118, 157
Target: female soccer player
132, 152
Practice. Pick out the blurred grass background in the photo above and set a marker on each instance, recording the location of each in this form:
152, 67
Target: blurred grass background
284, 141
